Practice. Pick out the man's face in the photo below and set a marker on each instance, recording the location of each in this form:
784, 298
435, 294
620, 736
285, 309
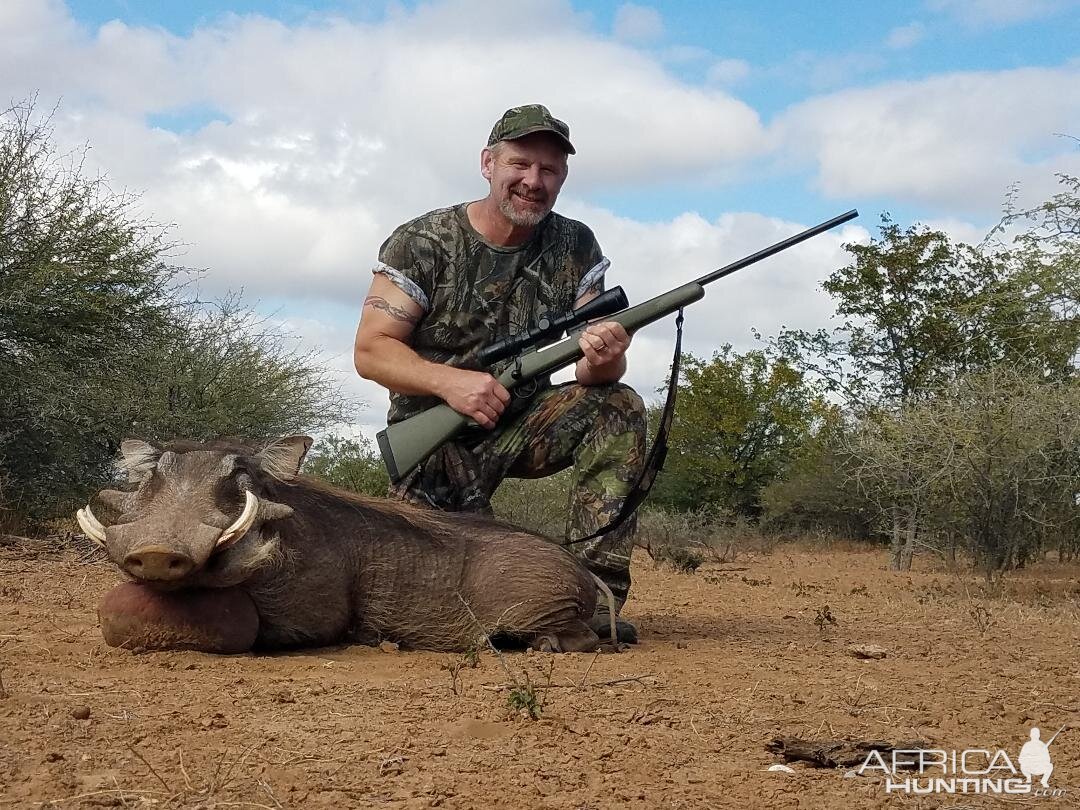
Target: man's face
526, 175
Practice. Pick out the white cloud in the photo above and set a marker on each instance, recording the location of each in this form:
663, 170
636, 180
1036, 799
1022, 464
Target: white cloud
955, 140
650, 258
334, 132
992, 13
634, 23
728, 71
905, 36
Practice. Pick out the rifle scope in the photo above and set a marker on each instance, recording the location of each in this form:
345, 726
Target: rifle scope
551, 326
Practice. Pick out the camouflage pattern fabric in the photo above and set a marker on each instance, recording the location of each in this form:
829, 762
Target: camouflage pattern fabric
518, 122
599, 430
475, 293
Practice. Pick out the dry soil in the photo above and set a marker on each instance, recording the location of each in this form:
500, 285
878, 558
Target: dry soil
731, 657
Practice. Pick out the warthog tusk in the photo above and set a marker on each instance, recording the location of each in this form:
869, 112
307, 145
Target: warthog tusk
243, 523
90, 525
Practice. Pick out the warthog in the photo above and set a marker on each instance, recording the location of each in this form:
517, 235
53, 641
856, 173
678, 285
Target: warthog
229, 548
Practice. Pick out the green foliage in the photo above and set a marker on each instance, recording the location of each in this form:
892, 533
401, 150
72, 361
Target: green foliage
919, 311
994, 459
523, 699
81, 281
897, 300
539, 504
97, 341
351, 464
739, 419
956, 364
816, 492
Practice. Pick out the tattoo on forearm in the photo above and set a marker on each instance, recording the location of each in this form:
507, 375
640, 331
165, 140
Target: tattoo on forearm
595, 288
397, 313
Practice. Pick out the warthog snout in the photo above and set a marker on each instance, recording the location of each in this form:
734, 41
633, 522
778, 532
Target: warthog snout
158, 562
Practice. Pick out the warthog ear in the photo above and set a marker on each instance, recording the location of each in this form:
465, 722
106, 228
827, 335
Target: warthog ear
138, 458
283, 458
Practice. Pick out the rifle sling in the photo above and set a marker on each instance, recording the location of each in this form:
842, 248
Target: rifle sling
654, 461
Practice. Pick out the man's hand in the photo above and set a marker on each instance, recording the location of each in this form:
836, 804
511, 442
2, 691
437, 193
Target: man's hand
475, 394
604, 346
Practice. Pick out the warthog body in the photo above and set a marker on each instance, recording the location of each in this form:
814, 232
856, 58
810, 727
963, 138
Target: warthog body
219, 524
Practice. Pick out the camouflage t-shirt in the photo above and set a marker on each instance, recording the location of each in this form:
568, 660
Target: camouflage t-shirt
474, 293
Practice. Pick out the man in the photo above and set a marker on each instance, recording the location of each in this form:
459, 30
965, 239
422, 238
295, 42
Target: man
457, 279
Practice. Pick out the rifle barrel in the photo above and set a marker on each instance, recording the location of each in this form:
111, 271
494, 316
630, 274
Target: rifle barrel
1051, 740
765, 253
406, 444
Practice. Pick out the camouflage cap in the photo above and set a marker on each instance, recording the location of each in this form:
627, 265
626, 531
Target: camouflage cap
518, 122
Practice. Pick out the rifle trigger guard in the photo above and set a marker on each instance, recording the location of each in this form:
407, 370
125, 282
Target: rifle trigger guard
527, 390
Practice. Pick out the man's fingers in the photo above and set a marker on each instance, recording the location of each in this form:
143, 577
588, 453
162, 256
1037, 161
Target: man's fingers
484, 417
591, 354
594, 340
502, 394
611, 332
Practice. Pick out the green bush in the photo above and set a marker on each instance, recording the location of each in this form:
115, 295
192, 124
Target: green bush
99, 339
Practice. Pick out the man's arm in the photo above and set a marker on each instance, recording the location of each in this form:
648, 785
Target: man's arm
382, 353
604, 345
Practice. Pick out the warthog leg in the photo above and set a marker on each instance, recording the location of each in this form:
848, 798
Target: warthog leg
577, 638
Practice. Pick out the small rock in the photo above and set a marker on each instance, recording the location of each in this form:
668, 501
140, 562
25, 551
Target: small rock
780, 769
682, 645
81, 712
217, 721
867, 651
388, 646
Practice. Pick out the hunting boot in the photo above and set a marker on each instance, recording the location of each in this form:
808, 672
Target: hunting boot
600, 623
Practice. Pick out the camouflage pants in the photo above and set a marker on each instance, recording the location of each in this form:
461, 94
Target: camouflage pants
599, 429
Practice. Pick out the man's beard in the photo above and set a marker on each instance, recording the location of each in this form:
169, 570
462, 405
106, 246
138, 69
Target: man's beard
523, 219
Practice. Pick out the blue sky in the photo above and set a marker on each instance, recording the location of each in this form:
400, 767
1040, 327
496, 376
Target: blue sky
285, 140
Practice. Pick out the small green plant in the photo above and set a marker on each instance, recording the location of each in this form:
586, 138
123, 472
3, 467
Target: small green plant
522, 696
471, 657
523, 699
824, 618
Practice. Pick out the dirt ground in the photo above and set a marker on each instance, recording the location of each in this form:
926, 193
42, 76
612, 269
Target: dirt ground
731, 657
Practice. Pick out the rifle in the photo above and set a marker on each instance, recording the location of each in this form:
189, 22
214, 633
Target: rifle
407, 443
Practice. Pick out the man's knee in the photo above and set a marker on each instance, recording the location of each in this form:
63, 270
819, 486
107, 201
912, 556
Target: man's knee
622, 400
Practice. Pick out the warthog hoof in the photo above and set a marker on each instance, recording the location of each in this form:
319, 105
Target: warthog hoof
214, 620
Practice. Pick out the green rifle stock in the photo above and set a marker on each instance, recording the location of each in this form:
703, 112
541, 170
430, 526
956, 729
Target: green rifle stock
407, 443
